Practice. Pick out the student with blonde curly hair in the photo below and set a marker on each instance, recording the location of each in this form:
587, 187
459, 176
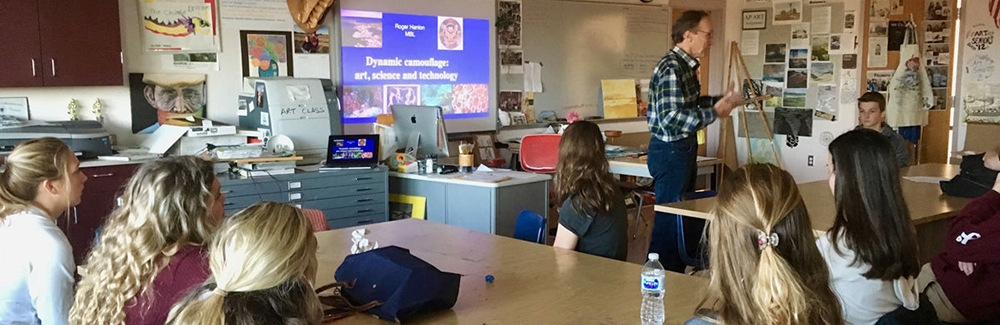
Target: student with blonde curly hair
766, 268
592, 218
263, 263
151, 249
40, 181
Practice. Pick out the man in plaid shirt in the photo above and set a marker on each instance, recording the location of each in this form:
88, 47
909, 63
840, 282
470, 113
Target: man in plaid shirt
676, 112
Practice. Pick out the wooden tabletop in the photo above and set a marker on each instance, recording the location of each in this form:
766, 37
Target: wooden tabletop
925, 200
534, 284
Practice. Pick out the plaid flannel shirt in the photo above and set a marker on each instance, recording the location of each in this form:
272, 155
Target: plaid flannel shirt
674, 95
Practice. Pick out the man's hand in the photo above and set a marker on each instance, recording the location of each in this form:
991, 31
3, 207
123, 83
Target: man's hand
966, 267
728, 102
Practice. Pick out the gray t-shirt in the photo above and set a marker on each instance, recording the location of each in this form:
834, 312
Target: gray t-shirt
601, 235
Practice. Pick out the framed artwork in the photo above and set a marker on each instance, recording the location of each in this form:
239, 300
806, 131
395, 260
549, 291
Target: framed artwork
754, 19
406, 206
266, 53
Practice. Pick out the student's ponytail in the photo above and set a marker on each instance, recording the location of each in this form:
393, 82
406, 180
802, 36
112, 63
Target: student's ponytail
777, 287
204, 307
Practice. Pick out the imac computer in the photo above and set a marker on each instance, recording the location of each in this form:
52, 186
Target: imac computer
420, 130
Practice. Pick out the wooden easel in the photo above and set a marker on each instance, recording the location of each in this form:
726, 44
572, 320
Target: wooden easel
738, 67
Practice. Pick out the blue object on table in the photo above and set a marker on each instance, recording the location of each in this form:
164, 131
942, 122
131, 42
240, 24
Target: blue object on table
489, 278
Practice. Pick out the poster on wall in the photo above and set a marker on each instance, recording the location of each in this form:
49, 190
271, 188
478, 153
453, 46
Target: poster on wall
266, 53
800, 36
850, 19
165, 98
750, 42
179, 26
820, 48
897, 31
509, 32
877, 51
821, 72
878, 80
879, 10
820, 20
937, 31
848, 86
787, 12
826, 102
775, 53
794, 97
793, 121
941, 9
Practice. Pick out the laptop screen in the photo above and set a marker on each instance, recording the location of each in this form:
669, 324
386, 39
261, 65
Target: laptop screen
352, 150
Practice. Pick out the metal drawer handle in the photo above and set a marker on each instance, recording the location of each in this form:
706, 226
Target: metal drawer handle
366, 211
364, 222
53, 67
33, 74
364, 189
294, 185
102, 175
226, 191
294, 196
365, 200
229, 204
362, 178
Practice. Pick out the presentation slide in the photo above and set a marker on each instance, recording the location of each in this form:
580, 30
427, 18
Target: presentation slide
352, 149
404, 59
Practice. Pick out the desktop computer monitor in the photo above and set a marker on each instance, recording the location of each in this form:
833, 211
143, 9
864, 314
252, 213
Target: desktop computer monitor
420, 130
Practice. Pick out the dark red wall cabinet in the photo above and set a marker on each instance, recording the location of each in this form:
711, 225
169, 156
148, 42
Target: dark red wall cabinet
60, 43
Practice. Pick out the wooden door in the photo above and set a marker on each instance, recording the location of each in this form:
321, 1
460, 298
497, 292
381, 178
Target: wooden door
22, 49
81, 42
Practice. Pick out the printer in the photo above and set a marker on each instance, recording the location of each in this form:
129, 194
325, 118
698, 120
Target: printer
87, 138
306, 110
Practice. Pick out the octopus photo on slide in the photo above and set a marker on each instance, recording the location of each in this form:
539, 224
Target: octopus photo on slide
450, 33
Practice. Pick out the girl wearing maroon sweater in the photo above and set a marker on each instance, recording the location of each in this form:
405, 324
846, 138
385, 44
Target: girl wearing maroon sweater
963, 281
152, 249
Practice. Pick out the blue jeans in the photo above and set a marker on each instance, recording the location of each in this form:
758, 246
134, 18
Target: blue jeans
673, 167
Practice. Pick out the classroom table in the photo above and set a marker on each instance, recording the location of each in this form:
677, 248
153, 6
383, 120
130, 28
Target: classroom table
636, 166
534, 284
930, 209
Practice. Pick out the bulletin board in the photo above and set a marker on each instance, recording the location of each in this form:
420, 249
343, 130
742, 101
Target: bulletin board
581, 43
796, 62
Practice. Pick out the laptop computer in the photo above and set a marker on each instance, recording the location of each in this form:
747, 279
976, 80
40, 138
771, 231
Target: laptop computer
351, 151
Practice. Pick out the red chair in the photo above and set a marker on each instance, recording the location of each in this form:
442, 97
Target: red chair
317, 218
539, 152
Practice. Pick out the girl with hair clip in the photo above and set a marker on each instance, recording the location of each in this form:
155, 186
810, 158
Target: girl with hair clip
592, 218
41, 180
150, 252
263, 263
766, 268
871, 249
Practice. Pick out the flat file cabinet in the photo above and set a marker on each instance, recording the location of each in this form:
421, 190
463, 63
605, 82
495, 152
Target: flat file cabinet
348, 197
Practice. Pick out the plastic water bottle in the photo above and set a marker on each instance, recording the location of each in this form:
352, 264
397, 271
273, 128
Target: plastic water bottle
651, 311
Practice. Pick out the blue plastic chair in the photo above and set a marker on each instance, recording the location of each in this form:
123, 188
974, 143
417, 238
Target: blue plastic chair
530, 227
695, 261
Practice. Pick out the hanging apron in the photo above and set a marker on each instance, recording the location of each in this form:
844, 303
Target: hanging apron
910, 95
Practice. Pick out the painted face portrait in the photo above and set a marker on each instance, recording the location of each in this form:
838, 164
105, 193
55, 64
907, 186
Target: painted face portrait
450, 33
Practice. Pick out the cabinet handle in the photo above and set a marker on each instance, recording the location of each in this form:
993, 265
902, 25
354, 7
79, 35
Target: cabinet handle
364, 222
362, 178
102, 175
365, 211
294, 185
294, 196
226, 192
228, 204
75, 221
364, 200
33, 74
364, 189
53, 67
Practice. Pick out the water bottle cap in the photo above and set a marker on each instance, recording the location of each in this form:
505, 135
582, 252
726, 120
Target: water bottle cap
654, 256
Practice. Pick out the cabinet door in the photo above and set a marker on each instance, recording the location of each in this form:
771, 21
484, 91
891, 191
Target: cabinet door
99, 199
21, 48
81, 42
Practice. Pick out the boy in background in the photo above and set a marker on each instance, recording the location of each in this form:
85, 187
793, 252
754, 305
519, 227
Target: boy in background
871, 115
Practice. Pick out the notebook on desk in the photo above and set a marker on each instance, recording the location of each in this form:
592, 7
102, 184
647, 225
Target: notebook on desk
351, 151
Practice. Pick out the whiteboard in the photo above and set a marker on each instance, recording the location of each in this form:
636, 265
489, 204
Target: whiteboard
580, 43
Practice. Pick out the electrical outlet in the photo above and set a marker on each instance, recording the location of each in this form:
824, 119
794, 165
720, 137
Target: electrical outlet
811, 160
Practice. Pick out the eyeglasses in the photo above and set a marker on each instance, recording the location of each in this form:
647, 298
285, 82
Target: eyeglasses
707, 34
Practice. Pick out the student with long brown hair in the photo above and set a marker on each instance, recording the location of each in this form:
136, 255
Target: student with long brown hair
151, 250
766, 268
263, 263
40, 181
592, 218
872, 248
